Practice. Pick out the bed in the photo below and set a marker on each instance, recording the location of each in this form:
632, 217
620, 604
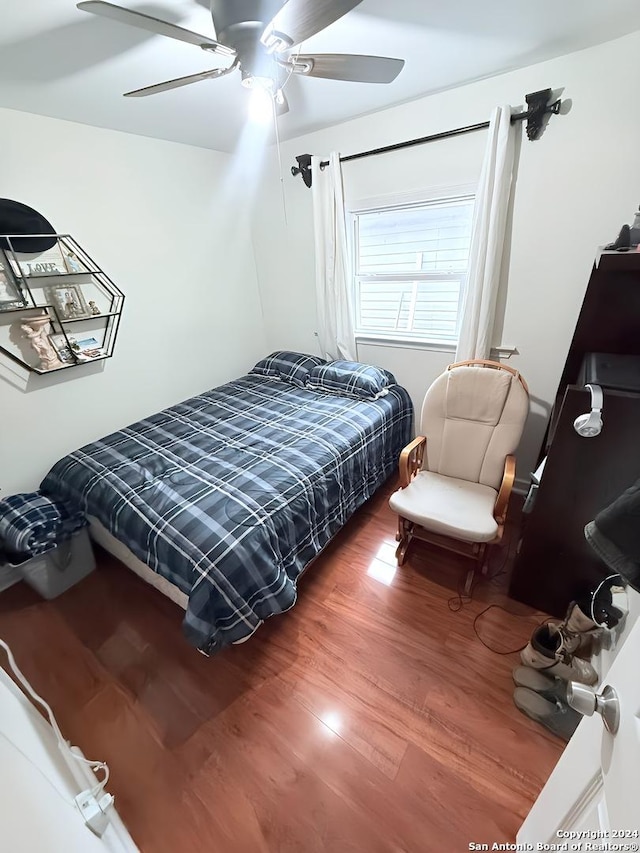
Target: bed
223, 500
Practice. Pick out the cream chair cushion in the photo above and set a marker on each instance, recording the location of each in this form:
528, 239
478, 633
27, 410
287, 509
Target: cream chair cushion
473, 419
448, 506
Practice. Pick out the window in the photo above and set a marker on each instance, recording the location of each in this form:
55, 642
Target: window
410, 267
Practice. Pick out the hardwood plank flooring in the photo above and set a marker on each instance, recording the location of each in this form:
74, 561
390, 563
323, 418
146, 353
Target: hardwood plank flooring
370, 717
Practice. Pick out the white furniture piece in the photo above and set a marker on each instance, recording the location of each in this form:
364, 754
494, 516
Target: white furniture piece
457, 476
38, 786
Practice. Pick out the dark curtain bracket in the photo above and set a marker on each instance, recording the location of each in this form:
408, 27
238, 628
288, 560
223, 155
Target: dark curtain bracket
538, 107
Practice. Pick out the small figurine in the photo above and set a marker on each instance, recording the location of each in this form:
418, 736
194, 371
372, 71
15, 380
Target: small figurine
36, 330
93, 307
71, 307
73, 264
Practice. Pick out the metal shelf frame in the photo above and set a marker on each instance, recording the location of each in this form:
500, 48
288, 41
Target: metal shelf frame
27, 283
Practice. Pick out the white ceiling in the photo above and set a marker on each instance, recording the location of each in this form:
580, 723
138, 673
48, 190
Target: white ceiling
59, 61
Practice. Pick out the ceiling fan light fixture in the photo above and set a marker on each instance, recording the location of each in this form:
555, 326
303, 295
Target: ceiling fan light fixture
260, 105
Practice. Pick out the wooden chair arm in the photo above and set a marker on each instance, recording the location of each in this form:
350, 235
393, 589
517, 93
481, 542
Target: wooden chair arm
502, 501
411, 460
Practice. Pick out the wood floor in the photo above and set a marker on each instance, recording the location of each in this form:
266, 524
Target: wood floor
368, 718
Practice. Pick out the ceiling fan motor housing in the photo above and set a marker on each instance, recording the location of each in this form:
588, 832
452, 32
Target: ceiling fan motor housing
232, 17
239, 24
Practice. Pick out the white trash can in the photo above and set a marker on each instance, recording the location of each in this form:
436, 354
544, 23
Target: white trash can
58, 570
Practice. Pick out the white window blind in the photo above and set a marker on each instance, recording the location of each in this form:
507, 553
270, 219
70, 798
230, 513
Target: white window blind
410, 266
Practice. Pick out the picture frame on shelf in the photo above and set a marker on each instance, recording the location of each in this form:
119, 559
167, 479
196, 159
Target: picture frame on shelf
88, 348
68, 300
62, 348
77, 349
11, 295
48, 263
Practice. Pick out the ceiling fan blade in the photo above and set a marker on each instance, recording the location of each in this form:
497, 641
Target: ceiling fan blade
179, 81
298, 20
152, 25
346, 66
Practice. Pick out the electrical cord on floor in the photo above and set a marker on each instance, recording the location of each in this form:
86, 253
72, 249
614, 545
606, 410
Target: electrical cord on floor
458, 601
539, 625
461, 598
484, 643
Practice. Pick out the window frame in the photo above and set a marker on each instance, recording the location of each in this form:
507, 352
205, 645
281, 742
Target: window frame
457, 193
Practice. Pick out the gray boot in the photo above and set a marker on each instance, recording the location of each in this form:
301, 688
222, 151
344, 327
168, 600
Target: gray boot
557, 717
551, 688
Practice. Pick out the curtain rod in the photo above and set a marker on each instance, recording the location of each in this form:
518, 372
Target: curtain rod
537, 103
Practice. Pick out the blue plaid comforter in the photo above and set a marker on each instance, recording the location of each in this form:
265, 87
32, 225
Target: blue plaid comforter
229, 495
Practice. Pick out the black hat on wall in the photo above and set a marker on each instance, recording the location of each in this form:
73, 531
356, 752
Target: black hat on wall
17, 218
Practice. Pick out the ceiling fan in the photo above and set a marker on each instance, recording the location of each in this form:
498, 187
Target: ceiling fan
258, 37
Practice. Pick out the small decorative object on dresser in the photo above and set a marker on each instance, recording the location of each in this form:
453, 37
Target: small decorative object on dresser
37, 329
94, 308
629, 236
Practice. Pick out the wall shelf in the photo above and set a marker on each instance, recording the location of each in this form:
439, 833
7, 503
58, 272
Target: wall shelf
92, 317
43, 298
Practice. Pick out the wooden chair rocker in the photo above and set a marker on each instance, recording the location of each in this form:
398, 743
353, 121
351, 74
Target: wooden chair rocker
456, 477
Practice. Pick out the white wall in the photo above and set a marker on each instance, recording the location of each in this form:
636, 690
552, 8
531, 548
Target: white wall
575, 188
164, 221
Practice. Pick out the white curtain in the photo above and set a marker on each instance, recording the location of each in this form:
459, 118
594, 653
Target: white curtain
333, 273
487, 239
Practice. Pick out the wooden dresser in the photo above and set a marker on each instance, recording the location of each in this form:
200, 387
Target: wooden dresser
554, 563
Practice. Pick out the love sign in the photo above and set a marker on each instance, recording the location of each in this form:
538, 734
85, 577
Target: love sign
41, 268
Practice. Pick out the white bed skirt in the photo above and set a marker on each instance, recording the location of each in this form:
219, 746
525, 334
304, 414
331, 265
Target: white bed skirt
101, 535
122, 553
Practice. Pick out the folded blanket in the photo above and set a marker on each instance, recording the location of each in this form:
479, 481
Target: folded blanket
31, 524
